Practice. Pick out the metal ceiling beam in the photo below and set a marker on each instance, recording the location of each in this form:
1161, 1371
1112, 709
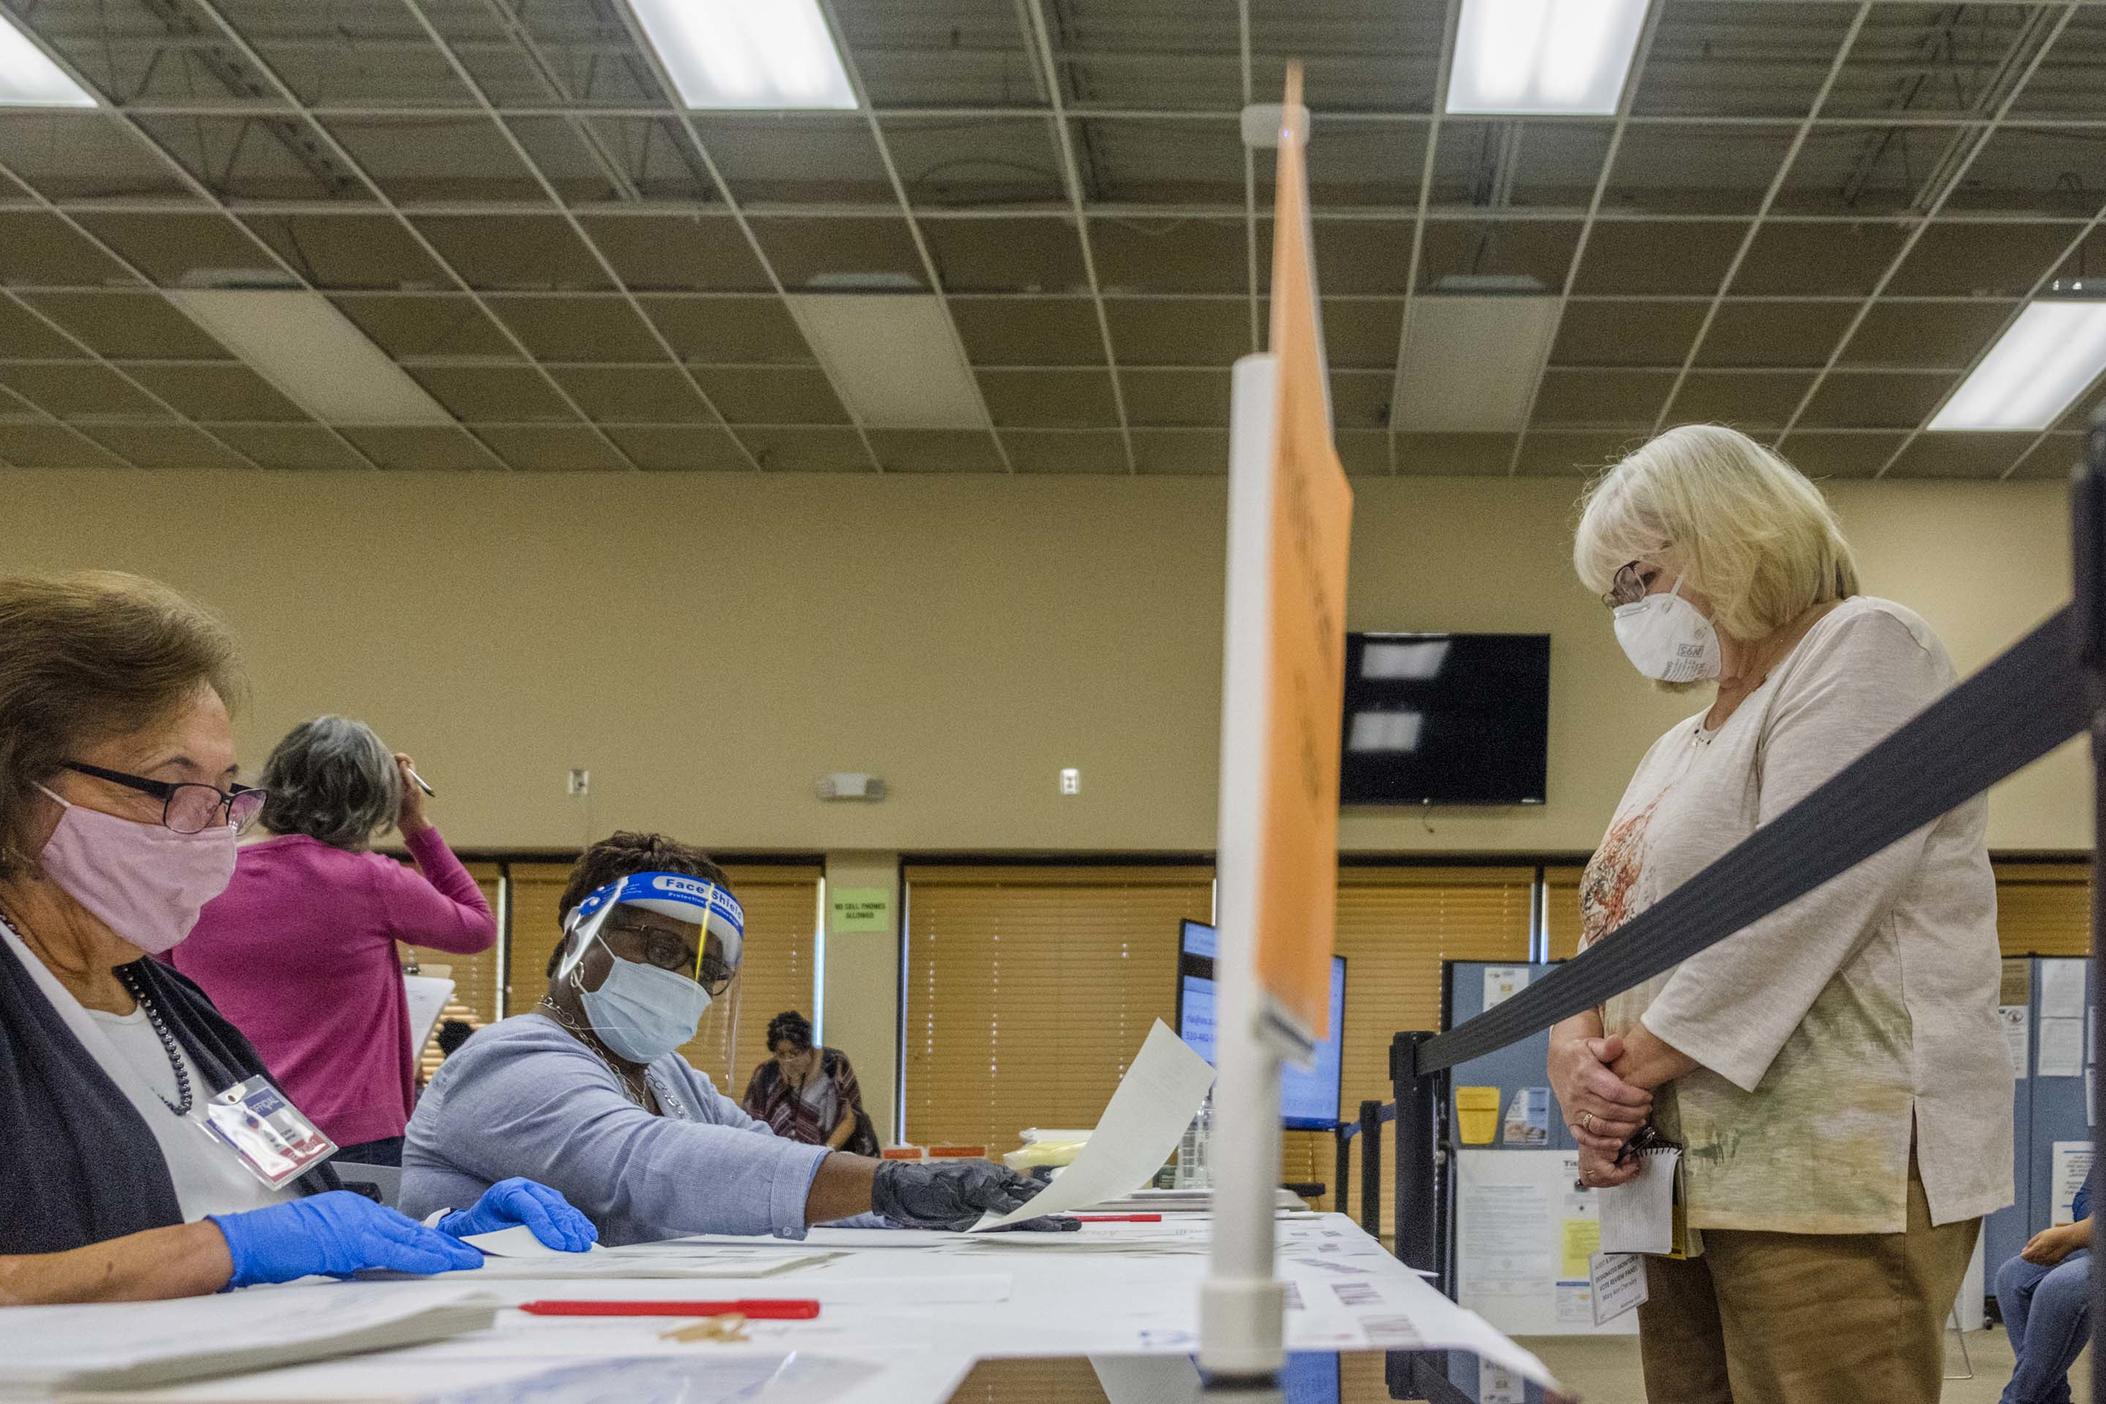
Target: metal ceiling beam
1451, 17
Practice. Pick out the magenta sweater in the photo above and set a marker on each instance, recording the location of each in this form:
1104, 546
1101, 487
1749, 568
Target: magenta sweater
299, 954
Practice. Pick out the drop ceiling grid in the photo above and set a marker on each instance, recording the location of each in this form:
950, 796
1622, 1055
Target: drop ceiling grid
578, 69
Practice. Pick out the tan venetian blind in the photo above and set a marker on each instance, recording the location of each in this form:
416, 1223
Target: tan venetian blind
476, 997
1395, 927
1561, 915
1028, 989
776, 973
2043, 908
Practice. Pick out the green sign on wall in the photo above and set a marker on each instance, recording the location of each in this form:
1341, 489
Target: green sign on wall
858, 911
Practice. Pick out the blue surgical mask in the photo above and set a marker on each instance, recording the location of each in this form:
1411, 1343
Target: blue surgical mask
640, 1011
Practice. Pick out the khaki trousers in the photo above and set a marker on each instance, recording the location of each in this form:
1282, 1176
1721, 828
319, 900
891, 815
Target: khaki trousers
1801, 1318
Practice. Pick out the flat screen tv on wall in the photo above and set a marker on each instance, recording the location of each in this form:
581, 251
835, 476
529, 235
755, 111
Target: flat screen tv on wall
1445, 719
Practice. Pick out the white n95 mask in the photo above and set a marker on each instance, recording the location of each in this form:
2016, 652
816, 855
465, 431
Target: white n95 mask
1667, 638
642, 1012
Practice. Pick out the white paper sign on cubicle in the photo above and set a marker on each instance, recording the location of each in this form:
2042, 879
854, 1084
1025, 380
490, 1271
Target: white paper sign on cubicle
2072, 1167
1525, 1240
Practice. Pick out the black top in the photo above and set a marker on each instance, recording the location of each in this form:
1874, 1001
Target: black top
77, 1165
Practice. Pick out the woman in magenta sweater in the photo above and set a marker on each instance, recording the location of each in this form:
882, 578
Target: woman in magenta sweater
299, 952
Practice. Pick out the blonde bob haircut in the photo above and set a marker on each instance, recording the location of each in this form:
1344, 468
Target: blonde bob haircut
1739, 524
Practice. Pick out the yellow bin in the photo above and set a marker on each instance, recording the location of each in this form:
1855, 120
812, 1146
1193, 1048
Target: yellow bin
1477, 1109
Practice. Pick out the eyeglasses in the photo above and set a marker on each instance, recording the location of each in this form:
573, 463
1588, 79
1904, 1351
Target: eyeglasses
1629, 586
669, 952
188, 808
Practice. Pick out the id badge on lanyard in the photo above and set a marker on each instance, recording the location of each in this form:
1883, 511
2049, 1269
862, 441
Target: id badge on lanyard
273, 1141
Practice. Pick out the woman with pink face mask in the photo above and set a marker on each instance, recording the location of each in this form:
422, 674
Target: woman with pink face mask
144, 1151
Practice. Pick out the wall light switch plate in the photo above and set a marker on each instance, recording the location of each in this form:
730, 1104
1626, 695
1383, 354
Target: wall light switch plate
1071, 781
580, 781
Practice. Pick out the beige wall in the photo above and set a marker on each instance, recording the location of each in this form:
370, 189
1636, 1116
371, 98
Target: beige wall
862, 986
709, 645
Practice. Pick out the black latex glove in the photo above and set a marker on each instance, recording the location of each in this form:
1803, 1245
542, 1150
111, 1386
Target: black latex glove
953, 1194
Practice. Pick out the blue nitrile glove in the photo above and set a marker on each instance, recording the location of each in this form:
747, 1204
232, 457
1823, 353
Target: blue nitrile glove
520, 1201
954, 1194
336, 1234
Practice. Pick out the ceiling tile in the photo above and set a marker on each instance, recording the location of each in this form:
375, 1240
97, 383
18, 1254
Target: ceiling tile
437, 157
1868, 170
984, 59
633, 394
1632, 257
1626, 333
686, 448
427, 326
976, 161
1518, 163
38, 250
1149, 162
1455, 253
790, 450
1961, 455
705, 253
1751, 402
1043, 451
1006, 255
50, 446
2002, 259
2056, 457
1038, 332
555, 448
1572, 455
578, 329
1775, 333
1179, 332
1171, 255
2067, 81
1185, 453
130, 326
1360, 402
795, 158
772, 395
85, 156
873, 255
1455, 455
25, 336
350, 251
256, 157
380, 57
526, 253
1354, 255
1876, 399
229, 391
1729, 57
1358, 53
165, 446
936, 451
1065, 399
1167, 398
179, 248
1617, 399
492, 394
80, 392
1361, 335
564, 151
2046, 171
1696, 170
1789, 258
1932, 58
1364, 453
302, 447
1820, 455
1358, 164
1926, 333
745, 330
422, 450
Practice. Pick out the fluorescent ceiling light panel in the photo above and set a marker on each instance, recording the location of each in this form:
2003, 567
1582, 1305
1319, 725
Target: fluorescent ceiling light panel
2033, 372
1386, 731
894, 359
1471, 363
28, 77
767, 54
1543, 55
312, 353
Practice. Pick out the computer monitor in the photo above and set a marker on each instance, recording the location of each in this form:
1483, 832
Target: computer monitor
1308, 1096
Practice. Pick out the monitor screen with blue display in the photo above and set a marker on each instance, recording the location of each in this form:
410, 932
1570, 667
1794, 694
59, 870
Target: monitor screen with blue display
1308, 1096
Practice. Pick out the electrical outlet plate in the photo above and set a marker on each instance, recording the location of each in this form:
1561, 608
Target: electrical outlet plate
580, 781
1071, 781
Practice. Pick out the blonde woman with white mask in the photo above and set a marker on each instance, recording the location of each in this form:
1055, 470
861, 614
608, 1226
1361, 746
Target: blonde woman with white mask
1834, 1072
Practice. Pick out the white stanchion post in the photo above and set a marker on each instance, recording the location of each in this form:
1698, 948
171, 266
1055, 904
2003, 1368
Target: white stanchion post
1242, 1317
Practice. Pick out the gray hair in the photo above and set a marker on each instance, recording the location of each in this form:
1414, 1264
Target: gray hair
332, 779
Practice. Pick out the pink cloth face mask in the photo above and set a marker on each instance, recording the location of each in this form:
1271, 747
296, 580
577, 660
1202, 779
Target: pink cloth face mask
145, 881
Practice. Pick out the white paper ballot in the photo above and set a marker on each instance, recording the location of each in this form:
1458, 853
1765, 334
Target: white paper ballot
1640, 1217
427, 1001
1618, 1280
1141, 1125
518, 1241
2018, 1036
2062, 989
2061, 1047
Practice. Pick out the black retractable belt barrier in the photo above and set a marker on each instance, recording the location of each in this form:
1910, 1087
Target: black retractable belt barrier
1371, 1169
2088, 543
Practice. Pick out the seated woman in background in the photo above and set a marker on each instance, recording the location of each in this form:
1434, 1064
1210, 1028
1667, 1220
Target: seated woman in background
118, 818
809, 1094
300, 950
2045, 1296
589, 1093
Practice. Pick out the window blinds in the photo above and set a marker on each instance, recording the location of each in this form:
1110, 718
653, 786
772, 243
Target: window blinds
1028, 988
476, 997
1561, 914
2043, 908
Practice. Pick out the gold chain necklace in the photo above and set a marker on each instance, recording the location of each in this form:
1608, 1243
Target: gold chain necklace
641, 1099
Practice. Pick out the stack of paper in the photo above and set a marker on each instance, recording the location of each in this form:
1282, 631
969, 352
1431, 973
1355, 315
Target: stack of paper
121, 1345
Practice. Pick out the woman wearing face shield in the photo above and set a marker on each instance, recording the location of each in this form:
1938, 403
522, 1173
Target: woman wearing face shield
118, 817
589, 1094
1833, 1073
